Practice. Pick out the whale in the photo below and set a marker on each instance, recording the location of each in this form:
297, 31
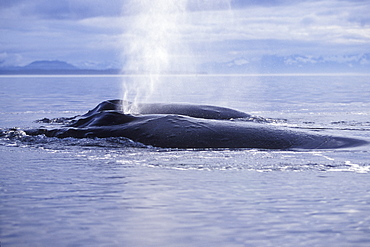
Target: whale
189, 126
197, 111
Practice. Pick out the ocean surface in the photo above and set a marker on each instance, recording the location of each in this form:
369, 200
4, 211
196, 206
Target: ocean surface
110, 192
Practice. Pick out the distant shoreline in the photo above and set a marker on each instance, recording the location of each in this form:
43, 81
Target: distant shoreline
182, 75
60, 72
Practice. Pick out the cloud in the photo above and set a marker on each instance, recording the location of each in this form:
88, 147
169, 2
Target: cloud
322, 23
9, 59
9, 3
75, 31
93, 32
266, 3
64, 9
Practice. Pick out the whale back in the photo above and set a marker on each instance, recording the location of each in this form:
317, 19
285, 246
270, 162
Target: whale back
191, 126
196, 111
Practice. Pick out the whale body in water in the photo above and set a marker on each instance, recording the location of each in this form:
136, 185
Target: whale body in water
189, 126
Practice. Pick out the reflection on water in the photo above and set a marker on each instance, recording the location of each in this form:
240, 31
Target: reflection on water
112, 192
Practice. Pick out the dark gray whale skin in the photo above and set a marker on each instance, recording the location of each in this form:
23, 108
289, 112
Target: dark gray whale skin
197, 111
190, 127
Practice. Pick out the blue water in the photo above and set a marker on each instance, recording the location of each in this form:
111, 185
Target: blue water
105, 192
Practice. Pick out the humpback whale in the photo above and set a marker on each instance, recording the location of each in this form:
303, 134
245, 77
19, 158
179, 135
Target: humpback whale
197, 111
189, 126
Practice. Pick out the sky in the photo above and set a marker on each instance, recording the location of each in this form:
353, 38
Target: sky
104, 34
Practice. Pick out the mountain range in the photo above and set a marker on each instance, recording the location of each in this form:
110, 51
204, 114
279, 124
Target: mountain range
268, 64
293, 64
54, 67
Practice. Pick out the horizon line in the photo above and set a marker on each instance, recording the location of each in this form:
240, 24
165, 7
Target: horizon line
185, 75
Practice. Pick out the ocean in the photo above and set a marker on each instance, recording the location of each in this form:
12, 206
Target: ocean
110, 192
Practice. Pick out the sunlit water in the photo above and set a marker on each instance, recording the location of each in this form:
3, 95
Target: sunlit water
112, 192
